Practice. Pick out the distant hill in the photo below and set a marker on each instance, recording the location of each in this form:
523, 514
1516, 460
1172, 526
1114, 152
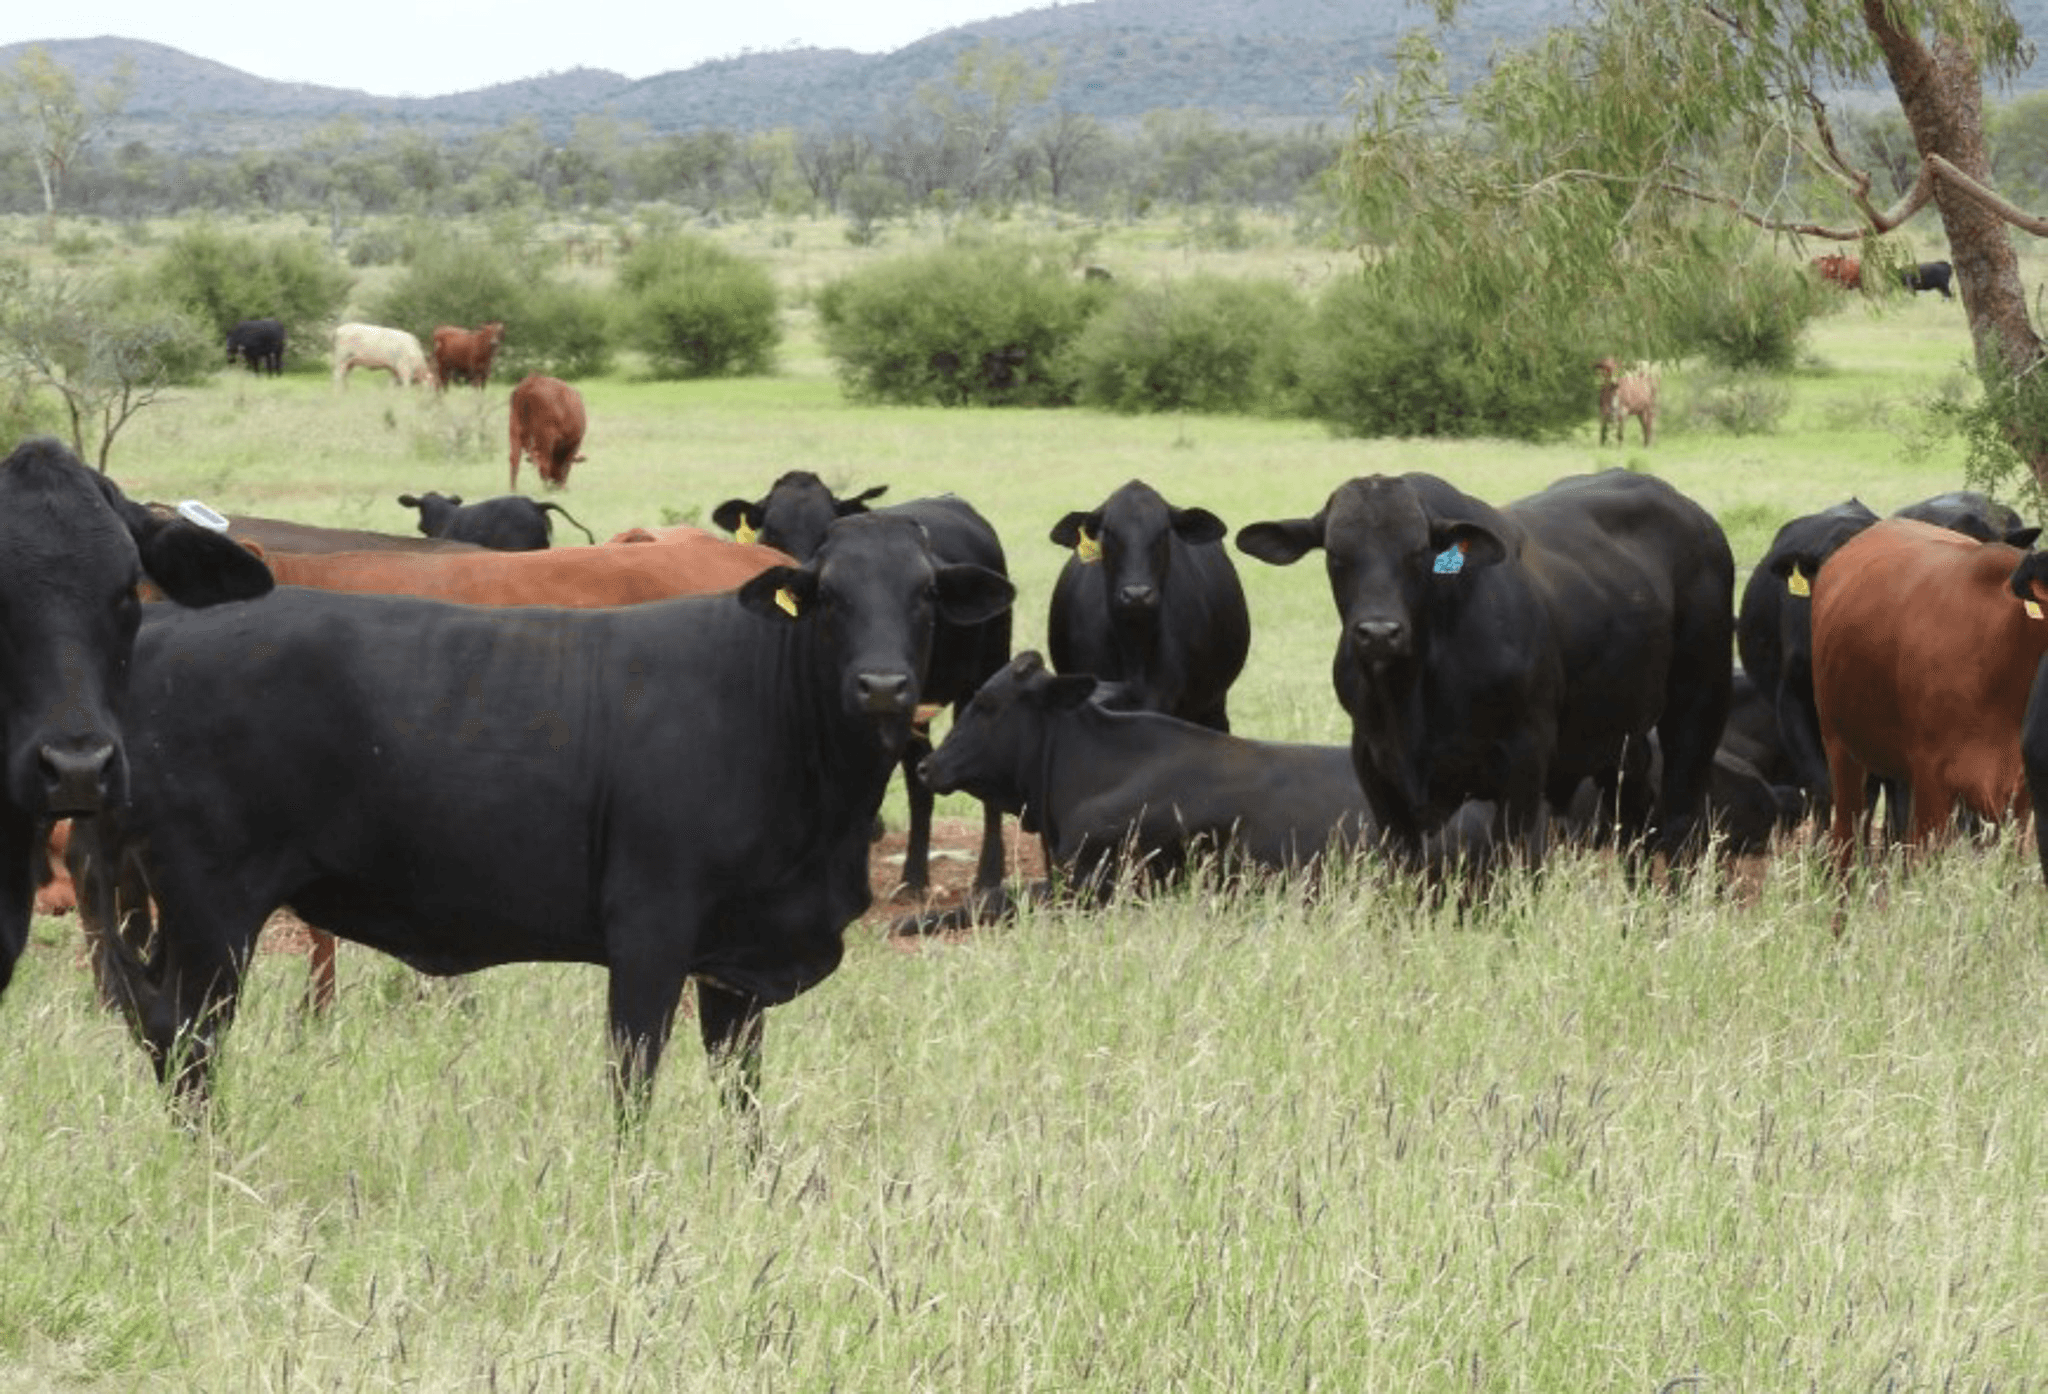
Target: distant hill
1249, 60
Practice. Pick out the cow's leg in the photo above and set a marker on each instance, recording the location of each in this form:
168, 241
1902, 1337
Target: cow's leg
1799, 728
988, 871
645, 988
732, 1025
2034, 758
917, 852
319, 971
1846, 774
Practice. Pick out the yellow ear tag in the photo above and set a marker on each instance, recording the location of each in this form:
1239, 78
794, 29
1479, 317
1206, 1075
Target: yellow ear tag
1087, 549
2033, 609
1798, 584
745, 534
786, 598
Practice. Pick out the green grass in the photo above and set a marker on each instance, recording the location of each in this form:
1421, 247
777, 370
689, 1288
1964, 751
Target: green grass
1583, 1139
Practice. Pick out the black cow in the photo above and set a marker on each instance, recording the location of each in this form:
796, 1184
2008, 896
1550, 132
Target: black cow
683, 788
258, 343
1097, 785
508, 523
793, 516
1149, 600
1506, 654
1928, 275
1774, 629
72, 548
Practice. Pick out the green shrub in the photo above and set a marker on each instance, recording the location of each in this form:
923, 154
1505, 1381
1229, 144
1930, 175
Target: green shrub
1207, 343
1751, 315
697, 310
1382, 361
223, 278
989, 322
550, 326
1746, 402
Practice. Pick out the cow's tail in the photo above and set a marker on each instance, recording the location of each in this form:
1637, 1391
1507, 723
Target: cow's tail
571, 517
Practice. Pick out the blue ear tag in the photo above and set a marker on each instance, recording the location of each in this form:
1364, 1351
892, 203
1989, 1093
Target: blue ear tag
1450, 561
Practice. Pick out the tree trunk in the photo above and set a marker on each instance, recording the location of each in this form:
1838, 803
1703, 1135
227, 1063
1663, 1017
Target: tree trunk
1941, 92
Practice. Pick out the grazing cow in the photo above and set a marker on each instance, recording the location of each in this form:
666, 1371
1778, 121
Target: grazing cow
1774, 630
547, 427
1842, 269
1623, 395
1149, 600
464, 355
258, 343
1928, 275
709, 770
793, 516
72, 548
508, 523
373, 346
1506, 654
1925, 648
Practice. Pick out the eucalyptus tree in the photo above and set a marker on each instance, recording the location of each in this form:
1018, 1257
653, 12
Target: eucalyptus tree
1593, 158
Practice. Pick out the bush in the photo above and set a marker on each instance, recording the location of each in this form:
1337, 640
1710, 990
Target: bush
1738, 403
550, 326
1381, 362
1207, 343
1752, 314
697, 310
988, 322
223, 278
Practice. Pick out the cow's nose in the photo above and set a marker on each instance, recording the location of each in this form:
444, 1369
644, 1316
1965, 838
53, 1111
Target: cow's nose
1380, 638
1138, 597
75, 781
884, 694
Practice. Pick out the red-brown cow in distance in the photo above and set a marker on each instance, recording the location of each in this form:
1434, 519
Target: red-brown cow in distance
1841, 268
1925, 646
547, 426
464, 355
682, 561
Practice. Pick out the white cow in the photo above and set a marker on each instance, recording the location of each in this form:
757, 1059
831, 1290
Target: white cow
373, 346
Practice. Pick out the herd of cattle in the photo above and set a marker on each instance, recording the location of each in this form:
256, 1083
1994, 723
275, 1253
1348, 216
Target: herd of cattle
358, 726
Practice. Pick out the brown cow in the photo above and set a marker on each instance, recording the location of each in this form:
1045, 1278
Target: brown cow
464, 355
1925, 645
1844, 270
1623, 395
547, 425
685, 561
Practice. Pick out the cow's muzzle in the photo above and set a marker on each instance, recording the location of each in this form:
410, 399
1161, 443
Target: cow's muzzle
77, 781
1137, 599
885, 694
1380, 640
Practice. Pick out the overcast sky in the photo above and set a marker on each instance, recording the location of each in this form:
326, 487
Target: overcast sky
425, 48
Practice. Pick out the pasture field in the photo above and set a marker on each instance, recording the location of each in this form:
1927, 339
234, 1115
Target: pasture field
1586, 1137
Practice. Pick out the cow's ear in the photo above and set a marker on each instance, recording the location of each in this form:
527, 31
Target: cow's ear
1067, 532
970, 595
197, 567
1479, 544
409, 500
2022, 538
859, 502
455, 500
735, 513
781, 592
1197, 525
1282, 543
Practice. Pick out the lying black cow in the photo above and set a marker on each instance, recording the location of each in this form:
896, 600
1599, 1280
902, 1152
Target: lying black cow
1507, 654
1774, 628
1150, 601
508, 523
705, 770
258, 343
1927, 275
72, 548
793, 516
1098, 785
